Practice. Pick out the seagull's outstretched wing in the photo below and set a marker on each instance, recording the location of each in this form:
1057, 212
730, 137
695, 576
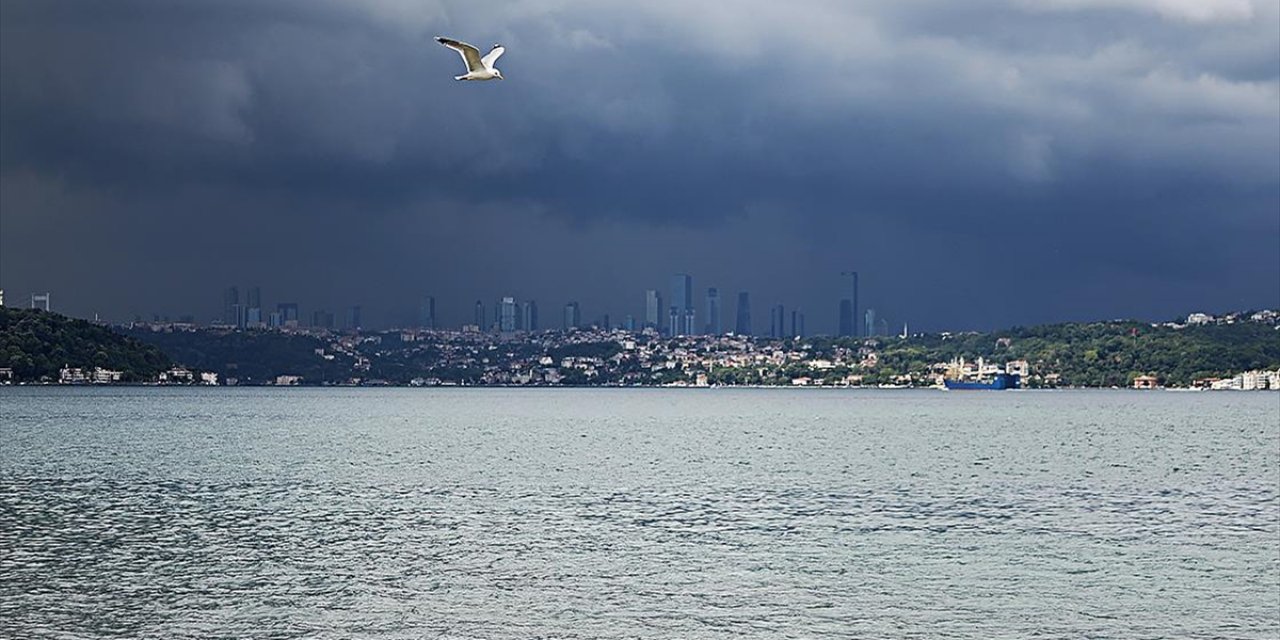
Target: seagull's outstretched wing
492, 56
470, 54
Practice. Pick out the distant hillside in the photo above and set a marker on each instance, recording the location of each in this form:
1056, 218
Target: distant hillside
1099, 354
251, 357
36, 344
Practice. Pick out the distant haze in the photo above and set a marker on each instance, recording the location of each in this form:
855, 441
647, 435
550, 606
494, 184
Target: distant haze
980, 164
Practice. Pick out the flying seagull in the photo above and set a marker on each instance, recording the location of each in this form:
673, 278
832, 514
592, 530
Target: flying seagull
477, 68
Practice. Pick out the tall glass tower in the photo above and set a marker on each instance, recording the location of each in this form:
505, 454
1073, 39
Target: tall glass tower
507, 317
529, 316
743, 325
427, 312
572, 316
681, 299
713, 312
653, 309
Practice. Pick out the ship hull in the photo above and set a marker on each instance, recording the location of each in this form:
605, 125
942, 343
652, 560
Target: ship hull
1001, 382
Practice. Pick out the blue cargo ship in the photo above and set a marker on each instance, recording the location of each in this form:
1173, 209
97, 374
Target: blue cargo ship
1000, 382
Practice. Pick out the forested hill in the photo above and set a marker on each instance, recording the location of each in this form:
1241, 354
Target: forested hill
1102, 354
37, 344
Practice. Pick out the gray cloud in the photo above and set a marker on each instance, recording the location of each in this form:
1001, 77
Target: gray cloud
1106, 157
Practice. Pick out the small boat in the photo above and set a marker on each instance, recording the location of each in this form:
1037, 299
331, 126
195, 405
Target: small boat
1000, 382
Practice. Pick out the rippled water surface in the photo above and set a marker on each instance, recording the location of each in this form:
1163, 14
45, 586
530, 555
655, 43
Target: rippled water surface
412, 513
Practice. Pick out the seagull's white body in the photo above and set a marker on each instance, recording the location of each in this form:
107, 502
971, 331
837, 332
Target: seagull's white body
478, 68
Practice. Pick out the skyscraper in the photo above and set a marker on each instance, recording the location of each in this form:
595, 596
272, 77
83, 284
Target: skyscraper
713, 312
288, 314
507, 316
529, 315
322, 319
427, 313
673, 321
653, 309
689, 324
742, 326
777, 318
572, 316
846, 318
853, 311
870, 328
253, 307
481, 323
231, 306
353, 318
681, 300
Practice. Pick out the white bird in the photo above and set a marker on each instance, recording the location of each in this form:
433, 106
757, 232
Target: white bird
477, 68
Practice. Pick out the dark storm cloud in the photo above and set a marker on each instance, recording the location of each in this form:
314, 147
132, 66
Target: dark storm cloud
1105, 157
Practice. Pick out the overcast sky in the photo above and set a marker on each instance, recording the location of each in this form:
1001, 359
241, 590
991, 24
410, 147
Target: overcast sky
981, 164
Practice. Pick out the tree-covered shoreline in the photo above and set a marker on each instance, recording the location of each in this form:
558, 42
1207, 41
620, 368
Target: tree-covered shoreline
35, 345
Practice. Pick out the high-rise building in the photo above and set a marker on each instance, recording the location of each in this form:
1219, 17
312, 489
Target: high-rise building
853, 301
742, 326
777, 318
288, 314
797, 323
653, 309
572, 316
870, 327
682, 300
689, 323
713, 312
507, 317
629, 323
673, 320
322, 319
480, 321
353, 318
253, 316
846, 318
529, 316
231, 306
427, 312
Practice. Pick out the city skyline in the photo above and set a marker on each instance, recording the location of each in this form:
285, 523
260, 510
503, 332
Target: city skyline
513, 313
980, 165
288, 313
